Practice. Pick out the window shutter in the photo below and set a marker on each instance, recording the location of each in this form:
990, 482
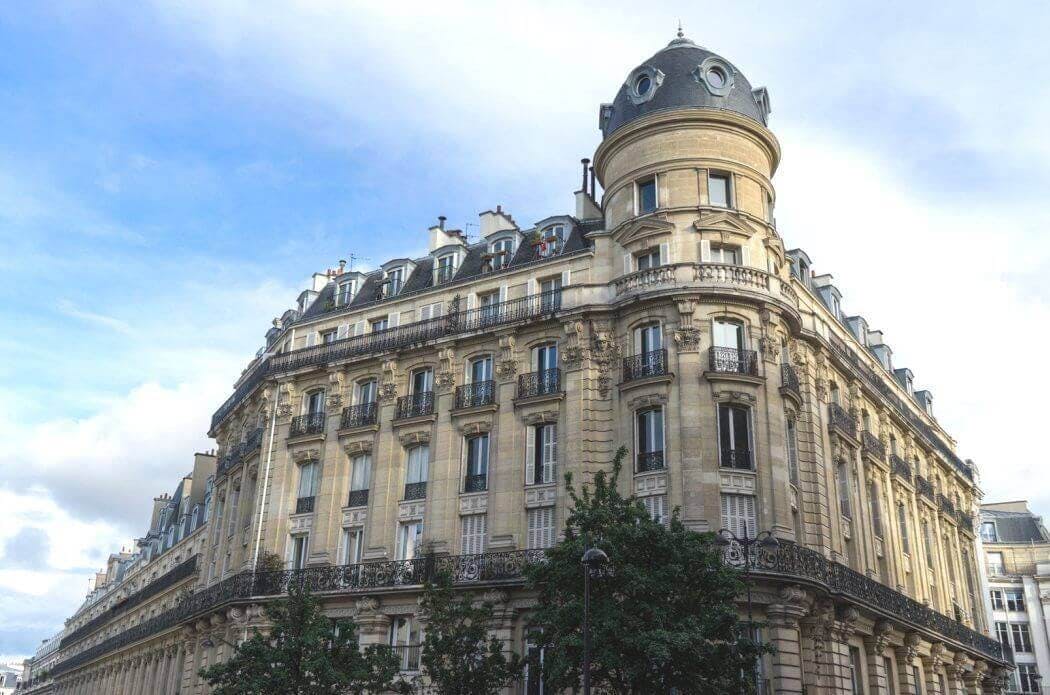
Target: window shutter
665, 254
540, 533
392, 319
435, 310
534, 287
359, 328
311, 339
626, 263
471, 301
745, 256
565, 278
705, 251
503, 293
344, 331
550, 452
530, 455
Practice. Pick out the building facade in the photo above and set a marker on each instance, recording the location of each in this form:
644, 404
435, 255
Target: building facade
36, 670
1016, 582
421, 416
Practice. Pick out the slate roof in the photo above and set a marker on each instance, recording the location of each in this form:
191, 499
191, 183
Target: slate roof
1017, 527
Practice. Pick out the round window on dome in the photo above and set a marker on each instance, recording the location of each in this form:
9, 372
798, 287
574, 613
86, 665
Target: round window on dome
642, 85
716, 77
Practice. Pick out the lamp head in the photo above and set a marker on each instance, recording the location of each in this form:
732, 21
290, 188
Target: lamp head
594, 558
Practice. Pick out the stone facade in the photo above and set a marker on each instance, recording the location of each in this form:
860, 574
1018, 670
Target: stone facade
687, 332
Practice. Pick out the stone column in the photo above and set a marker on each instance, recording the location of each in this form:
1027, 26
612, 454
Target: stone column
931, 665
374, 626
786, 637
975, 678
875, 647
956, 672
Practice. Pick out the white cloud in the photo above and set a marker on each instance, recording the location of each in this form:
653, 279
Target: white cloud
111, 322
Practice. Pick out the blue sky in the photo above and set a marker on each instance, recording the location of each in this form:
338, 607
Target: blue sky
171, 173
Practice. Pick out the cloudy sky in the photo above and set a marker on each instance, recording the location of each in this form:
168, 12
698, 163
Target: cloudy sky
171, 173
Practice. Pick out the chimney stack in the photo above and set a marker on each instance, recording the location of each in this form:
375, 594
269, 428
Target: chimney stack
342, 266
585, 162
441, 221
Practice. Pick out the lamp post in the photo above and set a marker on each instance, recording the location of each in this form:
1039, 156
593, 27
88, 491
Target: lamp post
592, 559
764, 540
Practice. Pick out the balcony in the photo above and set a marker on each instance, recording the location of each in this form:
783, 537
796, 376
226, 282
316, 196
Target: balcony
728, 360
840, 419
543, 383
304, 505
965, 520
476, 394
645, 365
253, 442
900, 467
416, 491
358, 498
359, 415
415, 405
872, 446
946, 507
311, 423
444, 274
739, 459
647, 461
789, 381
923, 487
476, 483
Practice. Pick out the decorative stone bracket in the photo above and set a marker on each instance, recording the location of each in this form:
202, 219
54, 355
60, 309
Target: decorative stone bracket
413, 438
361, 446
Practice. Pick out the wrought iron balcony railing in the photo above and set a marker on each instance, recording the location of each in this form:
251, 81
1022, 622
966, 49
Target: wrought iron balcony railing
650, 461
734, 361
946, 507
923, 487
253, 442
872, 445
476, 394
789, 380
359, 415
304, 505
647, 364
789, 561
311, 423
900, 467
416, 491
739, 459
476, 483
456, 321
414, 405
840, 419
965, 520
542, 383
357, 498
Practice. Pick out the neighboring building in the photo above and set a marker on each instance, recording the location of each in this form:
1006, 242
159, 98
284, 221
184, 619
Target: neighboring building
422, 416
36, 670
1016, 584
10, 679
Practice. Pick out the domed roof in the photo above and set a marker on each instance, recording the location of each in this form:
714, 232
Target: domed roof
683, 75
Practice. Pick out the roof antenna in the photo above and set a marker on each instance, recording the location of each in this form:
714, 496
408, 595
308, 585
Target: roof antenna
681, 34
354, 257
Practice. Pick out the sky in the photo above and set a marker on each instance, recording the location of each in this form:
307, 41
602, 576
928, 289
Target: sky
171, 173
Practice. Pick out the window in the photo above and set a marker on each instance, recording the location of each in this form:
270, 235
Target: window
648, 339
365, 392
430, 311
502, 251
534, 684
646, 200
314, 403
395, 280
405, 641
1015, 600
540, 527
719, 189
927, 541
856, 671
552, 240
418, 463
472, 534
422, 381
360, 472
545, 357
887, 668
541, 454
650, 427
446, 268
844, 496
656, 505
729, 255
235, 498
791, 436
480, 369
728, 334
995, 564
308, 479
770, 208
489, 304
902, 520
345, 293
734, 436
738, 514
409, 538
1022, 640
300, 545
1002, 632
376, 325
1028, 675
997, 600
650, 258
352, 545
876, 509
477, 463
988, 532
329, 337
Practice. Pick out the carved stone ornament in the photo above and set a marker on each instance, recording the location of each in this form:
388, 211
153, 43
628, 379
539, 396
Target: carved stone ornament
880, 637
647, 401
770, 348
446, 379
358, 447
541, 418
413, 438
605, 353
735, 396
388, 391
687, 338
304, 455
478, 427
573, 353
938, 656
367, 604
496, 597
284, 410
335, 400
506, 369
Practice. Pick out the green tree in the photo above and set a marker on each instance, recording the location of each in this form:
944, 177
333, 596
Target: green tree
662, 614
459, 656
304, 653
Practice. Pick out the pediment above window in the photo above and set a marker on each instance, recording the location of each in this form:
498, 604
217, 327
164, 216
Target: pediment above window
723, 222
643, 228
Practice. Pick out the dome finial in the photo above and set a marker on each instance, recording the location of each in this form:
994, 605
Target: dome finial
681, 34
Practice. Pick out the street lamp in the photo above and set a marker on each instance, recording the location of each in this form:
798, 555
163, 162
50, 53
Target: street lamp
764, 540
592, 560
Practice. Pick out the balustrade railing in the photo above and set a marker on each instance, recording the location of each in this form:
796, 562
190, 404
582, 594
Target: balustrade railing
415, 491
478, 482
357, 498
872, 445
476, 394
900, 467
414, 405
543, 383
650, 461
359, 415
304, 505
734, 361
647, 364
659, 275
311, 423
840, 419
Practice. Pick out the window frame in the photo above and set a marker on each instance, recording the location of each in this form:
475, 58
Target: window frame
727, 177
639, 185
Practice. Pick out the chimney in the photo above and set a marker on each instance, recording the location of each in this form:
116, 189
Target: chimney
342, 266
441, 221
584, 162
495, 221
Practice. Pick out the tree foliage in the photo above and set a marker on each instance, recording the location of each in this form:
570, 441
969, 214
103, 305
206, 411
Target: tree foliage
662, 613
459, 656
304, 653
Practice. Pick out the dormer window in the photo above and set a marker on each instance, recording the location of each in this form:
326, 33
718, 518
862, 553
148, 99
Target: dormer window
395, 280
502, 251
446, 268
344, 293
552, 240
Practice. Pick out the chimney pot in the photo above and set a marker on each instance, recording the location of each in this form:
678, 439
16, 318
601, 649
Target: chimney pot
441, 221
